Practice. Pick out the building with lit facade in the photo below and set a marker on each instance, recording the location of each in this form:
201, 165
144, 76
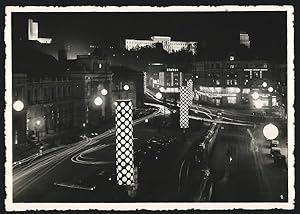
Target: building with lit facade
33, 33
91, 79
232, 81
244, 39
47, 100
168, 45
168, 76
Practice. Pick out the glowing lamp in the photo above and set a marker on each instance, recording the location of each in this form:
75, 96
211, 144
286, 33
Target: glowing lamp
270, 89
18, 105
158, 95
104, 92
126, 87
255, 95
98, 101
162, 89
265, 84
38, 122
270, 131
258, 104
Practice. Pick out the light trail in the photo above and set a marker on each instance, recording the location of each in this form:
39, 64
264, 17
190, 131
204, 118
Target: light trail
24, 177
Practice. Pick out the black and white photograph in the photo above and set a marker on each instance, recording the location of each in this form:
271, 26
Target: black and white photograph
125, 108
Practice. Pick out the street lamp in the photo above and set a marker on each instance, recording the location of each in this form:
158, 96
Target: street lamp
98, 101
162, 89
126, 87
38, 123
18, 105
255, 95
265, 84
158, 95
258, 104
104, 92
270, 131
270, 89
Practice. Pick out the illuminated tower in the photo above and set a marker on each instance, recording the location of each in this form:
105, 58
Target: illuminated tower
244, 39
33, 33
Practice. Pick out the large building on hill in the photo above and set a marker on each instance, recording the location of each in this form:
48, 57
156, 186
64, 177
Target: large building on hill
168, 45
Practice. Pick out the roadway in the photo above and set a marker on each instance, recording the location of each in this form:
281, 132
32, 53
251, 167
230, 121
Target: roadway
241, 172
84, 171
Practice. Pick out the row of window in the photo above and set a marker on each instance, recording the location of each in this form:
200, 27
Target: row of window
49, 93
238, 65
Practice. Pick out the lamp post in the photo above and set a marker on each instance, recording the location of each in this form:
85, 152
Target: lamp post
126, 89
37, 126
18, 106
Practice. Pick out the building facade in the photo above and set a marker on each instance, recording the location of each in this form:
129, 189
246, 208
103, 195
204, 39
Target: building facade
48, 105
231, 81
168, 45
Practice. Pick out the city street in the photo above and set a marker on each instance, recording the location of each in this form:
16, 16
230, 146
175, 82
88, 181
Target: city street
146, 107
243, 173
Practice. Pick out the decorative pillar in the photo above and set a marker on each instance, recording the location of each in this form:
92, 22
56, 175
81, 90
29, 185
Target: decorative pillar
124, 143
184, 108
190, 91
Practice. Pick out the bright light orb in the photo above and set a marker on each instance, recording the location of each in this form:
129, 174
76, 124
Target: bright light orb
270, 89
158, 95
98, 101
162, 89
146, 120
265, 84
237, 90
126, 87
255, 95
38, 122
270, 131
258, 104
18, 105
104, 92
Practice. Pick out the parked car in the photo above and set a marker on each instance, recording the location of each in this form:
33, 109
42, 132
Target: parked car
275, 151
274, 143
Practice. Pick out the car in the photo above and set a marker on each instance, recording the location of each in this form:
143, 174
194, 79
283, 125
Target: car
279, 160
274, 143
275, 151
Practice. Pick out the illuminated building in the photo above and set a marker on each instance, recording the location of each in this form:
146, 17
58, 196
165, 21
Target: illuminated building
91, 75
128, 84
47, 99
226, 82
168, 45
168, 76
244, 39
33, 33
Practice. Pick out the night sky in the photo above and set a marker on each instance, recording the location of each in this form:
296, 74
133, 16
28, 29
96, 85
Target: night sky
216, 31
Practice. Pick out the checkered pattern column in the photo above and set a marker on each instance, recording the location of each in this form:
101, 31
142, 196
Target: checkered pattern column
124, 143
184, 107
191, 93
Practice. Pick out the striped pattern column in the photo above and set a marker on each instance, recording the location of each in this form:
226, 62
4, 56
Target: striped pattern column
184, 107
124, 143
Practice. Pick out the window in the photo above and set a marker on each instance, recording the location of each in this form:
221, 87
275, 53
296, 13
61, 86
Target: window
231, 66
45, 94
231, 100
231, 58
29, 96
69, 90
35, 95
52, 93
58, 91
64, 91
